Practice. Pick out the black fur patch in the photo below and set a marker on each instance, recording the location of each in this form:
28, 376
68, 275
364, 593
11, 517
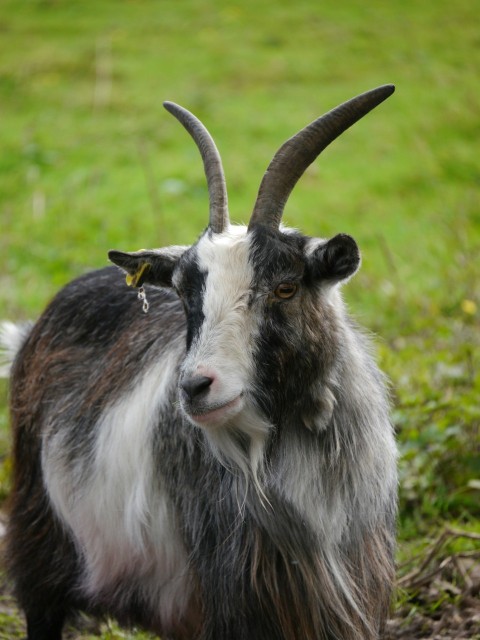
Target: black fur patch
296, 338
276, 256
190, 285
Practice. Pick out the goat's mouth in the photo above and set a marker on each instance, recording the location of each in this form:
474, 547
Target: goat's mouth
217, 414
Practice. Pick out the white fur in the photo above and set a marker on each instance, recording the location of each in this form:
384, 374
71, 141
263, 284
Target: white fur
12, 337
120, 517
228, 332
303, 475
225, 346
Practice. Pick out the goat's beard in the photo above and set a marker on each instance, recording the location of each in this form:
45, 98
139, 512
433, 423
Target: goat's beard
239, 446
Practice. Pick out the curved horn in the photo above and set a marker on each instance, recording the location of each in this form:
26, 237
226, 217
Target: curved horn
295, 155
212, 164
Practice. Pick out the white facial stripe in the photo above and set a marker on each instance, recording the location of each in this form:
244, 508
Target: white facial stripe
224, 344
224, 350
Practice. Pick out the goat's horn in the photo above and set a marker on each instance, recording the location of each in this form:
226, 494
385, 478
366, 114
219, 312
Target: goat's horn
212, 165
297, 153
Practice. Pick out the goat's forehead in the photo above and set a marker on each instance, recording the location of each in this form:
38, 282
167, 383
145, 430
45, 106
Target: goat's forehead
224, 259
228, 250
239, 257
273, 249
238, 249
214, 258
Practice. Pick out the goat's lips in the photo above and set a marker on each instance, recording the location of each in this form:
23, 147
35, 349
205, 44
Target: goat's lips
216, 414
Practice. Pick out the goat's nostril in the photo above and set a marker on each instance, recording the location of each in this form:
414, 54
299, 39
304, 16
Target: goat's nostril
195, 386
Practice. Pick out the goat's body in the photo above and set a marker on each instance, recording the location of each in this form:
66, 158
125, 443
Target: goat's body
222, 467
140, 521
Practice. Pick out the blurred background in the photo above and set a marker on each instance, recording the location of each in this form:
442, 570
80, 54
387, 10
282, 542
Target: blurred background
90, 160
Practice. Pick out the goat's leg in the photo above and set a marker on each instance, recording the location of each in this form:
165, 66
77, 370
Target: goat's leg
41, 561
44, 625
42, 569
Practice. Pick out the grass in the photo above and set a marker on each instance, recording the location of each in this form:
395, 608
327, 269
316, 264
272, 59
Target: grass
90, 161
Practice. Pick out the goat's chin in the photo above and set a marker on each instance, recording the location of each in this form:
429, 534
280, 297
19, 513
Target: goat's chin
215, 416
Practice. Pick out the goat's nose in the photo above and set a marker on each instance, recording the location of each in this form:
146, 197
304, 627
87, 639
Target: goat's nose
196, 385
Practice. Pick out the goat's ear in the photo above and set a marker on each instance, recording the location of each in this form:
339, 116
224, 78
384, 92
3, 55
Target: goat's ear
335, 260
153, 266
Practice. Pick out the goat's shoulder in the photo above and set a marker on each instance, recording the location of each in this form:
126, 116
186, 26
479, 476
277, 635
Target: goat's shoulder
97, 318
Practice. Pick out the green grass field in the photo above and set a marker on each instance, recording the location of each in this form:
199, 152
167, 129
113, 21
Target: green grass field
90, 160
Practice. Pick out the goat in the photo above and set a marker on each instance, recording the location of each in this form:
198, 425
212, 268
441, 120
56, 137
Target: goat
222, 467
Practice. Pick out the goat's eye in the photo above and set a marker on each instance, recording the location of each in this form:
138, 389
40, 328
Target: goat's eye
286, 290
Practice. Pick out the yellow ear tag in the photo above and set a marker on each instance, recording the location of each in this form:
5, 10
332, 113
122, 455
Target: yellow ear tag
136, 279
